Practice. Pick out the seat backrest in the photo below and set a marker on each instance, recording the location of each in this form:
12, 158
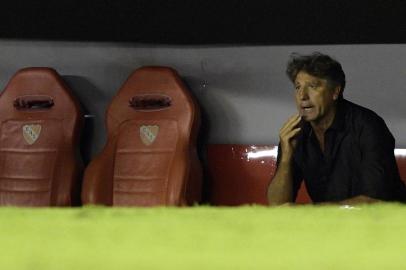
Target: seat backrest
40, 123
152, 126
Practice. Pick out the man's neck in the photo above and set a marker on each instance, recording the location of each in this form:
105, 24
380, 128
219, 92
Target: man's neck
320, 126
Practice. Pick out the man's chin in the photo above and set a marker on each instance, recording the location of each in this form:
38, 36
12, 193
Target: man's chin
307, 118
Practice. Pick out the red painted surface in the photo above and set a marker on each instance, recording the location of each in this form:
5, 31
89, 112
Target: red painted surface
240, 174
400, 155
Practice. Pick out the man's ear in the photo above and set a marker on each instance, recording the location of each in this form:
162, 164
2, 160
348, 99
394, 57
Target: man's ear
337, 91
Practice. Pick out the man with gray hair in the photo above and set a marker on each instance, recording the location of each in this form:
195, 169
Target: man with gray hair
344, 152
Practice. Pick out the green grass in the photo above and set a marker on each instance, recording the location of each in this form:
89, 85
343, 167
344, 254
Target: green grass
306, 237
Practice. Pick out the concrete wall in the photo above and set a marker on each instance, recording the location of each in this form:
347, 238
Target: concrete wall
243, 90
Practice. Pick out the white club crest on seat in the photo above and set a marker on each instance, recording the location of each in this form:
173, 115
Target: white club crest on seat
31, 133
148, 134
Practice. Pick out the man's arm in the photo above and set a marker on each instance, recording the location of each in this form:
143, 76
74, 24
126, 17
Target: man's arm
280, 189
360, 199
378, 169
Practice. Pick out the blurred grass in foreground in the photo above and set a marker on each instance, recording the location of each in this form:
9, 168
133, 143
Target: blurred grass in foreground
303, 237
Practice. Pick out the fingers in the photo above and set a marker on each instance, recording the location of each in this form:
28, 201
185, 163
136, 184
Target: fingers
292, 133
290, 124
287, 136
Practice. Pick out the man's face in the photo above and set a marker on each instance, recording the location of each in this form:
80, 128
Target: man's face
314, 96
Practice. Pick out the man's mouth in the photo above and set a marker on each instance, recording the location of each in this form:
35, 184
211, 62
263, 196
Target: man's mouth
307, 108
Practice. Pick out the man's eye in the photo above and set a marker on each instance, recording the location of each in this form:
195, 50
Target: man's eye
313, 86
297, 88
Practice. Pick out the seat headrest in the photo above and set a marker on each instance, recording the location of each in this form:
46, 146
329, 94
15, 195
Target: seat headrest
38, 90
151, 92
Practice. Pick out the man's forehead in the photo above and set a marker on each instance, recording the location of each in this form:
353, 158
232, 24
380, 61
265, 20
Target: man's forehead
303, 76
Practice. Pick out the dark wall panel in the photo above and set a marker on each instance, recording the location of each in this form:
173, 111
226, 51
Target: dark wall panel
207, 21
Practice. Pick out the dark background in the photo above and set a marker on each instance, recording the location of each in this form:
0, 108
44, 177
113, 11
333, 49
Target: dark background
207, 21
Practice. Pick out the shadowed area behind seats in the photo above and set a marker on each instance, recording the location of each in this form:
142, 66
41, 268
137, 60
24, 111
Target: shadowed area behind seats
150, 157
40, 125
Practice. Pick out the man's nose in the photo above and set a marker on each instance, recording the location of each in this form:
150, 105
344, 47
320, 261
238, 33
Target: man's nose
303, 93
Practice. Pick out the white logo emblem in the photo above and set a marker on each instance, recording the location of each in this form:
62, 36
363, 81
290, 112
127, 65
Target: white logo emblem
148, 134
31, 133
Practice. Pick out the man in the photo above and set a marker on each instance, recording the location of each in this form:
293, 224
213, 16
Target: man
344, 152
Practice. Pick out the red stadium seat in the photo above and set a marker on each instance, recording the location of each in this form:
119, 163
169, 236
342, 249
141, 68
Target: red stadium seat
240, 174
400, 155
40, 126
150, 157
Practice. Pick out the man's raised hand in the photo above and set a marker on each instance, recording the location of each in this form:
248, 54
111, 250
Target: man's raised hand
287, 136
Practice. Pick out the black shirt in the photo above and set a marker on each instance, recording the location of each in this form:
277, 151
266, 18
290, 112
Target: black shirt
358, 158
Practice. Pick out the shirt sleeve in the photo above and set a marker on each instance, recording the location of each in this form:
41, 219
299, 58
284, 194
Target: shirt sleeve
297, 174
378, 169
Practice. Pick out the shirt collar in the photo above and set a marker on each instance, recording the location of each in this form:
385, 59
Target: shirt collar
339, 118
338, 122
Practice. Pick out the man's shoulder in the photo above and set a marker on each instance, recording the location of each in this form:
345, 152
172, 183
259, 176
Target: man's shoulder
366, 121
360, 114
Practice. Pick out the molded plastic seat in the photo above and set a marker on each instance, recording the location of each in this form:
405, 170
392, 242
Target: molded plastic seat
150, 157
400, 155
39, 135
